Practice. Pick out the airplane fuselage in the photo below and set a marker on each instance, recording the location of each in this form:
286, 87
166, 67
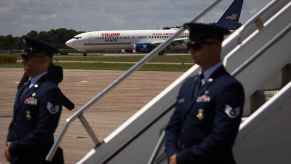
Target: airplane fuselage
143, 40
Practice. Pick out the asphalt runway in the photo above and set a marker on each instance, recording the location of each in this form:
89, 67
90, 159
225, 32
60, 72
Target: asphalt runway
80, 86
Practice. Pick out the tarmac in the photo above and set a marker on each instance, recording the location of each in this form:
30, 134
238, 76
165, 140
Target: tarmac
80, 86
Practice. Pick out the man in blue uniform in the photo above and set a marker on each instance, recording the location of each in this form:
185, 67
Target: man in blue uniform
37, 107
209, 107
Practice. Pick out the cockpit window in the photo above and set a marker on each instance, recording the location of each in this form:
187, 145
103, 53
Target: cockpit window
77, 37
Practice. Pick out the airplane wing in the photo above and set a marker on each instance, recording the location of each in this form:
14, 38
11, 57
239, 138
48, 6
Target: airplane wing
174, 42
147, 45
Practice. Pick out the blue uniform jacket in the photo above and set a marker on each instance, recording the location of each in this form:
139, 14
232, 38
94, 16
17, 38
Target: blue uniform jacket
205, 123
35, 118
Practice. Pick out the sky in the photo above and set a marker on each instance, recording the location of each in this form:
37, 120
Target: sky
18, 17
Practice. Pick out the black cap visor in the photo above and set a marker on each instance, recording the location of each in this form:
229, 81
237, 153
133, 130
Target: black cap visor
199, 31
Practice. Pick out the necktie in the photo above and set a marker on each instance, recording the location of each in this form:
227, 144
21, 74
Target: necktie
198, 87
201, 79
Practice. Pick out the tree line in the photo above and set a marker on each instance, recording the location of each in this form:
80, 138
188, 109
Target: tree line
55, 37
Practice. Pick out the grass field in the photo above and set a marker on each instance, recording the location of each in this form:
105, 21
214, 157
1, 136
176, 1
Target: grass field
172, 63
163, 59
113, 66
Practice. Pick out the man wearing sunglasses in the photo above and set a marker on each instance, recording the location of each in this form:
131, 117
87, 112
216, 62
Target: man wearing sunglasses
37, 107
205, 123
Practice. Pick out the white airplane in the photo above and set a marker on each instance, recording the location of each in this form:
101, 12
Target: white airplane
126, 40
144, 40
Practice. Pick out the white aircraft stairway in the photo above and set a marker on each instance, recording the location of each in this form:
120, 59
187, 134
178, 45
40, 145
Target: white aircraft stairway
265, 136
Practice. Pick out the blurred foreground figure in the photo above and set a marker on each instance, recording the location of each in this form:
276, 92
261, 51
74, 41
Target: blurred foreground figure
37, 108
206, 120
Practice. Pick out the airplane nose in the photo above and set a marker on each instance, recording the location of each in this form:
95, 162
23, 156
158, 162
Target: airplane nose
69, 43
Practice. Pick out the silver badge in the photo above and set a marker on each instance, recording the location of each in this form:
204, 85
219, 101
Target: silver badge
232, 112
53, 109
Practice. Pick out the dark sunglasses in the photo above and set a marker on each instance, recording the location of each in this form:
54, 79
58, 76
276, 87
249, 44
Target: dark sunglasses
198, 44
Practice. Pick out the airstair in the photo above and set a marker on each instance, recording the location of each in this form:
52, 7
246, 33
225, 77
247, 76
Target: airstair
255, 54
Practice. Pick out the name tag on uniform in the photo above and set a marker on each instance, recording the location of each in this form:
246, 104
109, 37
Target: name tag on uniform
30, 101
203, 98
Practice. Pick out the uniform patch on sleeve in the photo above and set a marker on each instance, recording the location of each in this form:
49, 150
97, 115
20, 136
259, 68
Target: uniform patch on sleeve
232, 112
53, 109
181, 100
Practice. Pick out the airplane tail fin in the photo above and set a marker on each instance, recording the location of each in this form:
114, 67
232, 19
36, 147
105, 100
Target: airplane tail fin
230, 19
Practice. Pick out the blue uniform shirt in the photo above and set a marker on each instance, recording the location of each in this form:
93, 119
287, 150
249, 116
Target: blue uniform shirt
33, 80
211, 70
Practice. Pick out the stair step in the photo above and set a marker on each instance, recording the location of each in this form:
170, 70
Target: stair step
269, 94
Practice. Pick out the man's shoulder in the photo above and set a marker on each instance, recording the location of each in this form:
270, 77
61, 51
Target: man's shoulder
191, 79
47, 87
49, 92
227, 81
